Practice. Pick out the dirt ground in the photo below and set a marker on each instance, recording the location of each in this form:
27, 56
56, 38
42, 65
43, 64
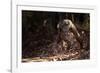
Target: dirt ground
51, 50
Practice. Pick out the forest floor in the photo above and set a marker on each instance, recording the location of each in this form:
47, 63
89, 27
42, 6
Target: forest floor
72, 55
55, 51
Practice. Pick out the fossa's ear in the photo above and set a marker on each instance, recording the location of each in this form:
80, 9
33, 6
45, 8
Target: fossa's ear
58, 26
